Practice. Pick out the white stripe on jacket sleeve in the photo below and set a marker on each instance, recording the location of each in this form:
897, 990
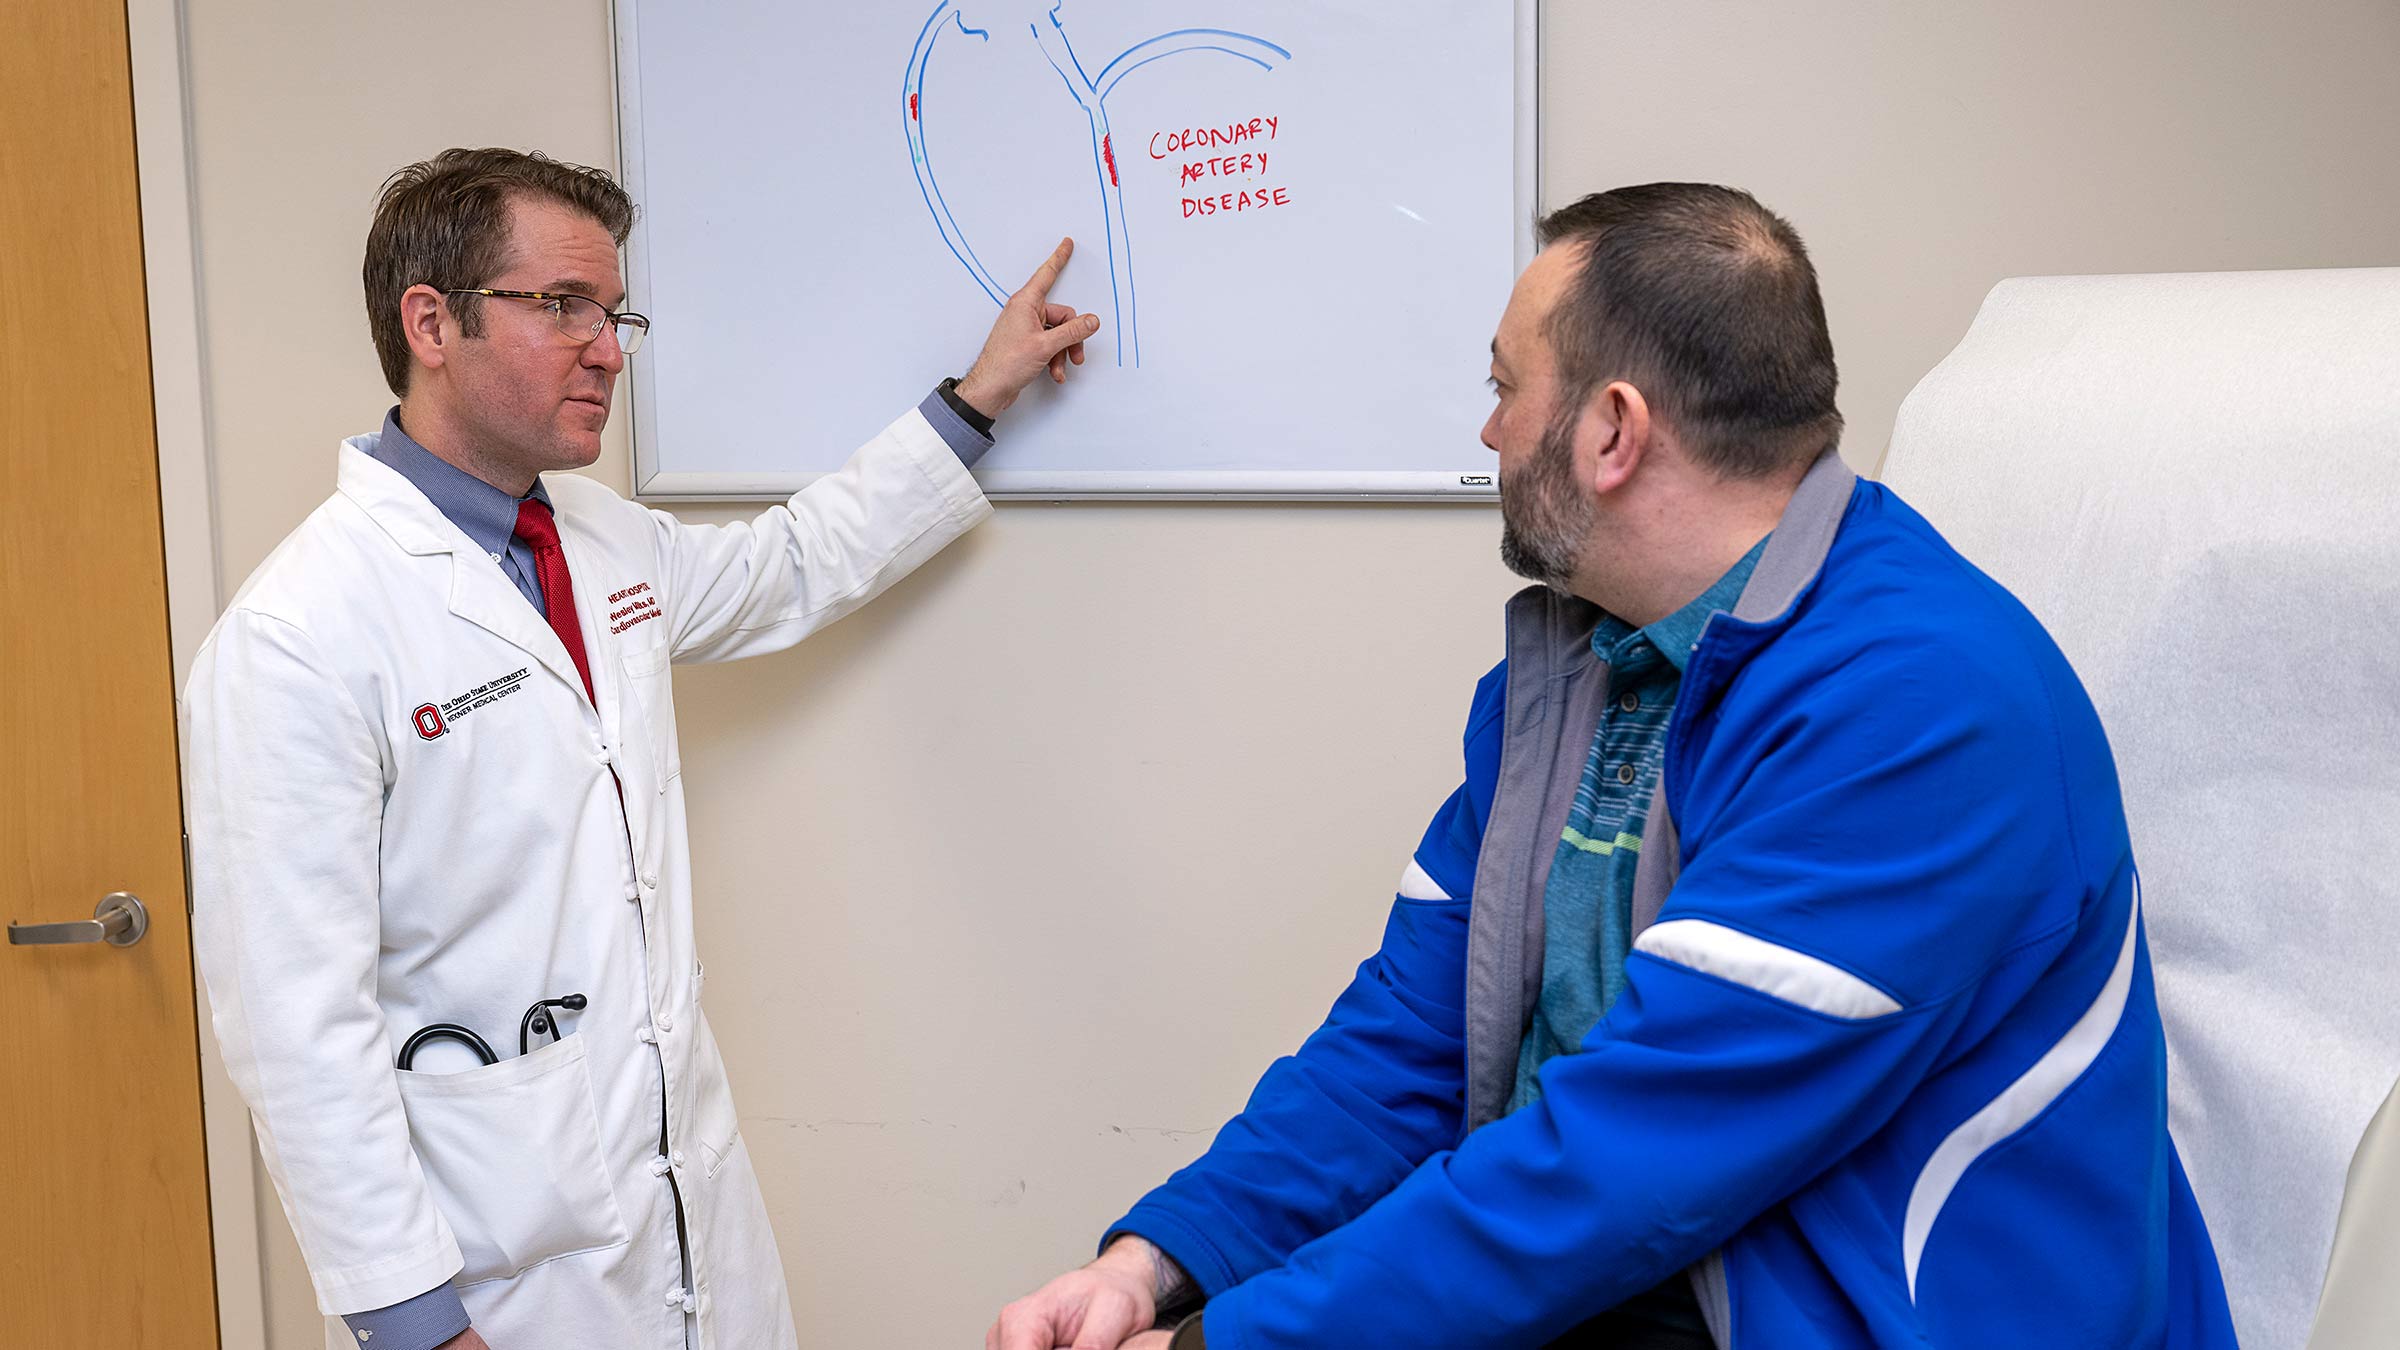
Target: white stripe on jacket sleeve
1418, 884
1755, 963
2020, 1101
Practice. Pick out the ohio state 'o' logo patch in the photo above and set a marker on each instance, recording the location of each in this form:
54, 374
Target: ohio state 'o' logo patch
430, 723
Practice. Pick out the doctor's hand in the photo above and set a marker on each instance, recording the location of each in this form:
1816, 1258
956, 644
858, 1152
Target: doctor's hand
465, 1340
1031, 336
1094, 1308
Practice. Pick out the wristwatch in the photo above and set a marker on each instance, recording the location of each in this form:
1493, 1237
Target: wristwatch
1187, 1334
967, 412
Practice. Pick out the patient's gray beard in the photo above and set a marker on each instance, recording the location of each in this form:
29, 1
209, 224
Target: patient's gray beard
1543, 520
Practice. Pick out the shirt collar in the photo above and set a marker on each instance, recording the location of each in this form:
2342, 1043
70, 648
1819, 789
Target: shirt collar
482, 512
1674, 636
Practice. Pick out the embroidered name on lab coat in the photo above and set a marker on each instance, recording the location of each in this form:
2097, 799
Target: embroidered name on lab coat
631, 606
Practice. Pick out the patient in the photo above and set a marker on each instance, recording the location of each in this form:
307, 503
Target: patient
1776, 978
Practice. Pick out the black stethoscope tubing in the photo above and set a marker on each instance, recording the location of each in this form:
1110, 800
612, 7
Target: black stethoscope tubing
446, 1031
537, 1018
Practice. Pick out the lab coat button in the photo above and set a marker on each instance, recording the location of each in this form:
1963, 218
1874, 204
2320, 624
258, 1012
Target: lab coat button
650, 879
675, 1297
658, 1166
646, 1036
678, 1157
666, 1021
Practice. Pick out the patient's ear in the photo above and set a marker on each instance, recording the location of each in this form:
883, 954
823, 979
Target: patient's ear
1613, 436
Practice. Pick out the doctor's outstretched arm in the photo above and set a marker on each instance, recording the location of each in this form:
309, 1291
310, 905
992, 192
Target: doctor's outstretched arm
763, 584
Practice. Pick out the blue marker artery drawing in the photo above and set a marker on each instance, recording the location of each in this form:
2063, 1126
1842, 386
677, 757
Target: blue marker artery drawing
1042, 22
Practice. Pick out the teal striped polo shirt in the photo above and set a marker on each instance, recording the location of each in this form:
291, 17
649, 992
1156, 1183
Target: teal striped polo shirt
1587, 905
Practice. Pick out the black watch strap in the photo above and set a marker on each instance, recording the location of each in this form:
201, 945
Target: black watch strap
948, 389
1188, 1335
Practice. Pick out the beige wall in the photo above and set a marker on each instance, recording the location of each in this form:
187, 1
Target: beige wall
1010, 885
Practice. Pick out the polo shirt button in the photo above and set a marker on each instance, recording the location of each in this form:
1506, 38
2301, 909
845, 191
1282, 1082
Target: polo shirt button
1626, 774
1630, 703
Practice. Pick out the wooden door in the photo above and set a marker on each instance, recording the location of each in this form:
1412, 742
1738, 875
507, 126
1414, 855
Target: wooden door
104, 1226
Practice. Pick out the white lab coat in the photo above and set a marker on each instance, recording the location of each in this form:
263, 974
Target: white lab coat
403, 812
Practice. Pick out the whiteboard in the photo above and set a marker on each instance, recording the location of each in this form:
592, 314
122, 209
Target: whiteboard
1297, 223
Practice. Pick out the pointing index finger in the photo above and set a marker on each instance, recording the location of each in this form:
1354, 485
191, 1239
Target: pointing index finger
1046, 275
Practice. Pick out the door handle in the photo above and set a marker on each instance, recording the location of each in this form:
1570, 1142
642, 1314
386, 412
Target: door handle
118, 920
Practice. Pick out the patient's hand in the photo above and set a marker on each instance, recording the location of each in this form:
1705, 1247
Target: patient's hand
1149, 1340
1094, 1308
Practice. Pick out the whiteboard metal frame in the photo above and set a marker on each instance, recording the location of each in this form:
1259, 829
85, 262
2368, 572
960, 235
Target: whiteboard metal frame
1226, 485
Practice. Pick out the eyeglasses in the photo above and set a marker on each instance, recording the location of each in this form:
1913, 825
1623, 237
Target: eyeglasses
578, 316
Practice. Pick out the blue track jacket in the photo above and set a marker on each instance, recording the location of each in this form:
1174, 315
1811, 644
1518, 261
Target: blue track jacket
1888, 1071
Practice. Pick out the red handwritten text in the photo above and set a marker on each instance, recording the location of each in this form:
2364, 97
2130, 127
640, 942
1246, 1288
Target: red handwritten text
1193, 171
1235, 202
1245, 159
1167, 144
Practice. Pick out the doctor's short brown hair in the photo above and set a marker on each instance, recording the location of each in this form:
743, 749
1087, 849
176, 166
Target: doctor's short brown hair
444, 222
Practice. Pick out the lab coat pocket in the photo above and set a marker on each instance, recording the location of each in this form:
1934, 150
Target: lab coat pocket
512, 1152
648, 676
714, 1122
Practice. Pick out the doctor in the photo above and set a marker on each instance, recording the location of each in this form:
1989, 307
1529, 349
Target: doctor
433, 778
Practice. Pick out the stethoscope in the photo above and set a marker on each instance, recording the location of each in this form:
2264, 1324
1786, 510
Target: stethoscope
538, 1018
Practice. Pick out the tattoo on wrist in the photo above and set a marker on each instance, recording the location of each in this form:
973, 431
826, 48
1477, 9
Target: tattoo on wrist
1170, 1286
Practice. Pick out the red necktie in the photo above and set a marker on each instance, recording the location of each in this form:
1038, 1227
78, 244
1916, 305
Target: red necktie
535, 527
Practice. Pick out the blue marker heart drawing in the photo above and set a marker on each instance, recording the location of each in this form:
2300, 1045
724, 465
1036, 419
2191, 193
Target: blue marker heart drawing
1040, 19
